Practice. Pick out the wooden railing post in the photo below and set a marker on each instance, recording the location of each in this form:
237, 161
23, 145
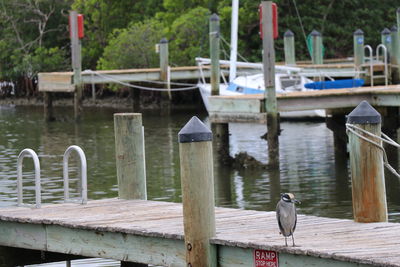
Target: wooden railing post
197, 179
366, 164
288, 41
317, 50
129, 155
358, 45
271, 105
214, 54
76, 48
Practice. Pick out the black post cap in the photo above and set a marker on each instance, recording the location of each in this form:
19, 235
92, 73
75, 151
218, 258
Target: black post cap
164, 41
394, 28
288, 33
315, 33
194, 131
385, 31
364, 113
398, 10
214, 17
358, 32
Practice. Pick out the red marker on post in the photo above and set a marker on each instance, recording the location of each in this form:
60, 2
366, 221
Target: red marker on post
274, 20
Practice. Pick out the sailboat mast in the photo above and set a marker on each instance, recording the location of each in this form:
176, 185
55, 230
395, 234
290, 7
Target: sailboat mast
234, 37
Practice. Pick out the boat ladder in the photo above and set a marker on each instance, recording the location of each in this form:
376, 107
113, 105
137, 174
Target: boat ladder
376, 65
82, 184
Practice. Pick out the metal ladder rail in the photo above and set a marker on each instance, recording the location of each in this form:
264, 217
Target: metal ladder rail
383, 48
22, 155
371, 66
83, 173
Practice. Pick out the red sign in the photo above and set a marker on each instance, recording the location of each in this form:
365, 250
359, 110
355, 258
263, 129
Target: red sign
265, 258
274, 20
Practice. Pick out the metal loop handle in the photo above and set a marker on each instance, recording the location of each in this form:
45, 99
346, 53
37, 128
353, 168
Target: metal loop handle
385, 59
83, 173
22, 155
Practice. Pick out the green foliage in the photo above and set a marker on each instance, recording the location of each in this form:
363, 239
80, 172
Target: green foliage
133, 47
189, 36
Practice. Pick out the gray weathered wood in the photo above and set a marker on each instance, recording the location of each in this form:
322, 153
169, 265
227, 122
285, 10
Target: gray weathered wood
164, 65
271, 105
129, 155
214, 54
317, 48
76, 64
288, 41
358, 46
366, 164
197, 181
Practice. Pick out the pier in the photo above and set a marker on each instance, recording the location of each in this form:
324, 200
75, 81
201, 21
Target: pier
137, 231
151, 232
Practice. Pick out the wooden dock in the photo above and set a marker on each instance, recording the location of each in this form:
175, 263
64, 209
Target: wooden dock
152, 232
252, 107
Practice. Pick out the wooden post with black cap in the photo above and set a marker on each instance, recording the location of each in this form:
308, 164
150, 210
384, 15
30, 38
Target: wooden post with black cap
197, 180
366, 164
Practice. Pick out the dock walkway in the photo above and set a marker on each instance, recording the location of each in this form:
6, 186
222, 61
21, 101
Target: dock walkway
152, 232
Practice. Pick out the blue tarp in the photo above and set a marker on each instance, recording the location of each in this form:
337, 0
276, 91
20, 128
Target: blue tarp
348, 83
245, 90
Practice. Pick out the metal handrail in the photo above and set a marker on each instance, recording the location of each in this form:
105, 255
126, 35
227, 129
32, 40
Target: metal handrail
385, 60
83, 172
22, 155
371, 59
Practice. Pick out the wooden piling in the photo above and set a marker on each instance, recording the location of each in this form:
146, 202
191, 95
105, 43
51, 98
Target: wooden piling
386, 39
358, 46
269, 81
197, 180
221, 143
395, 55
366, 164
76, 48
317, 51
164, 64
288, 41
129, 155
214, 53
48, 106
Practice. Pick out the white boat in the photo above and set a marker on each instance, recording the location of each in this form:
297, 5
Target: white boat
287, 79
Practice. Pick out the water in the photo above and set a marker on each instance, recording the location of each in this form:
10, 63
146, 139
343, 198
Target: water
307, 168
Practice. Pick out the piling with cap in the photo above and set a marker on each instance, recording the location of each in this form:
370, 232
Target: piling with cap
214, 53
317, 51
386, 39
197, 181
358, 45
129, 155
288, 42
366, 164
395, 53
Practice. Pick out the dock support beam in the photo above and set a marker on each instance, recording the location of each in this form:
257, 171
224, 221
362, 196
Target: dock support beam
358, 45
130, 160
214, 54
48, 106
76, 48
197, 179
269, 81
288, 40
395, 55
317, 51
164, 74
129, 155
366, 164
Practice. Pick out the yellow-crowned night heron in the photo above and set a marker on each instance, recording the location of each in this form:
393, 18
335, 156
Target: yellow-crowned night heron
286, 215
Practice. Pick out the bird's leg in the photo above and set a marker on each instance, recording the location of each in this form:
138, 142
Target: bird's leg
293, 240
285, 241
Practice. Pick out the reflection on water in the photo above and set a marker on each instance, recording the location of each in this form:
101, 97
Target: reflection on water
307, 168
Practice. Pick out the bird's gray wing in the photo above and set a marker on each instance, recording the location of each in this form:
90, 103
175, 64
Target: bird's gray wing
278, 217
295, 219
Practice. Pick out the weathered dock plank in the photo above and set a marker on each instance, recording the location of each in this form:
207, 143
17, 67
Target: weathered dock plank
152, 232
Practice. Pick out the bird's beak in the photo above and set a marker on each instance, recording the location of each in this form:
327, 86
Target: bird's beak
296, 201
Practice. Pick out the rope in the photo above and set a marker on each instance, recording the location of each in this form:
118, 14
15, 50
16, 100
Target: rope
301, 25
111, 79
229, 45
353, 129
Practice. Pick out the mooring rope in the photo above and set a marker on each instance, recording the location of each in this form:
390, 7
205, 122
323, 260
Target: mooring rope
111, 79
384, 138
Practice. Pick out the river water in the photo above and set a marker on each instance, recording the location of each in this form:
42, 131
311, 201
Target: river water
307, 162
